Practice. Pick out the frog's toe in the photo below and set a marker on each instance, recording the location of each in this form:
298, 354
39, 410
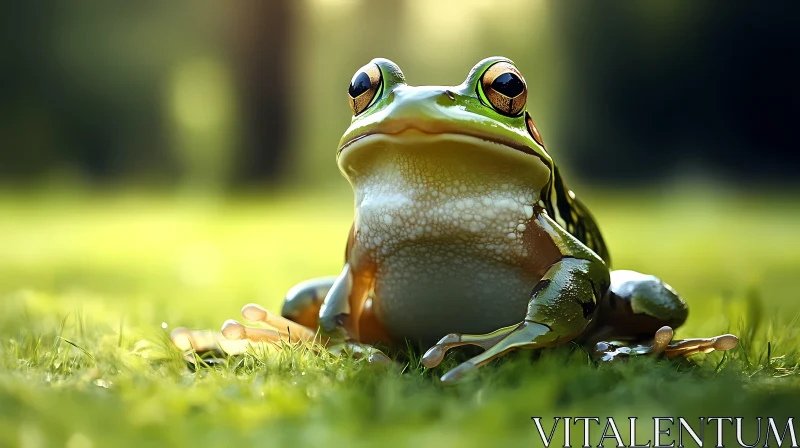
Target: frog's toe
277, 328
206, 341
688, 347
661, 341
434, 356
294, 331
236, 331
459, 372
186, 339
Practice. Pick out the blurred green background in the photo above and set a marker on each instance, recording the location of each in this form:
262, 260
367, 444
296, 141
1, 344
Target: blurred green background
216, 95
161, 164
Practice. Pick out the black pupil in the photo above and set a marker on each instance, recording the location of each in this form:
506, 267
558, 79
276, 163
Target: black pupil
359, 84
508, 84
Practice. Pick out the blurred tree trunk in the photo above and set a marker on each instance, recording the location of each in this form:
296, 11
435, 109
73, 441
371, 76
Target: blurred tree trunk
261, 38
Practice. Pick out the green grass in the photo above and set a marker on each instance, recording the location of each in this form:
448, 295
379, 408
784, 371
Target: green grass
86, 282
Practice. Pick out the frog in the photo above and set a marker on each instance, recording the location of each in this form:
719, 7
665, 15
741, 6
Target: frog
465, 233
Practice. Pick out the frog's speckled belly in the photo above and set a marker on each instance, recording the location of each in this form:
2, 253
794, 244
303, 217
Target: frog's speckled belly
425, 292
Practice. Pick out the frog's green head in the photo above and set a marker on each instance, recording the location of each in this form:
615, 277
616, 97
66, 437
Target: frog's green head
480, 126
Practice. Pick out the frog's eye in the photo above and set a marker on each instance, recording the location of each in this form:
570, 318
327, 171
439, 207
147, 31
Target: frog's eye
504, 88
364, 87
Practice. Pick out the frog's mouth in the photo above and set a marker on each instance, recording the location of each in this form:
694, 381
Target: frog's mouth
395, 130
458, 154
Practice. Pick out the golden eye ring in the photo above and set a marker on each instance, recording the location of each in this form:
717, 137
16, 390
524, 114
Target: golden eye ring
364, 87
504, 88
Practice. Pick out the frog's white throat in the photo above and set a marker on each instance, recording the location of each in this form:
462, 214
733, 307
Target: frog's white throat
443, 190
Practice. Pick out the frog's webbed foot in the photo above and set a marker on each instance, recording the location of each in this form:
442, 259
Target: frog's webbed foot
235, 338
610, 351
277, 329
663, 344
282, 329
205, 342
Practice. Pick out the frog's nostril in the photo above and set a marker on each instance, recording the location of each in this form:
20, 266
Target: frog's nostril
449, 94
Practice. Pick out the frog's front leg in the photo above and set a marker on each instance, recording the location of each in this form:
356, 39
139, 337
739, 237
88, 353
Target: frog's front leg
561, 306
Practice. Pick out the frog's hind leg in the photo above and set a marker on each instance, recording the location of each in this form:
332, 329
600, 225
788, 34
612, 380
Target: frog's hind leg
635, 307
304, 300
639, 314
